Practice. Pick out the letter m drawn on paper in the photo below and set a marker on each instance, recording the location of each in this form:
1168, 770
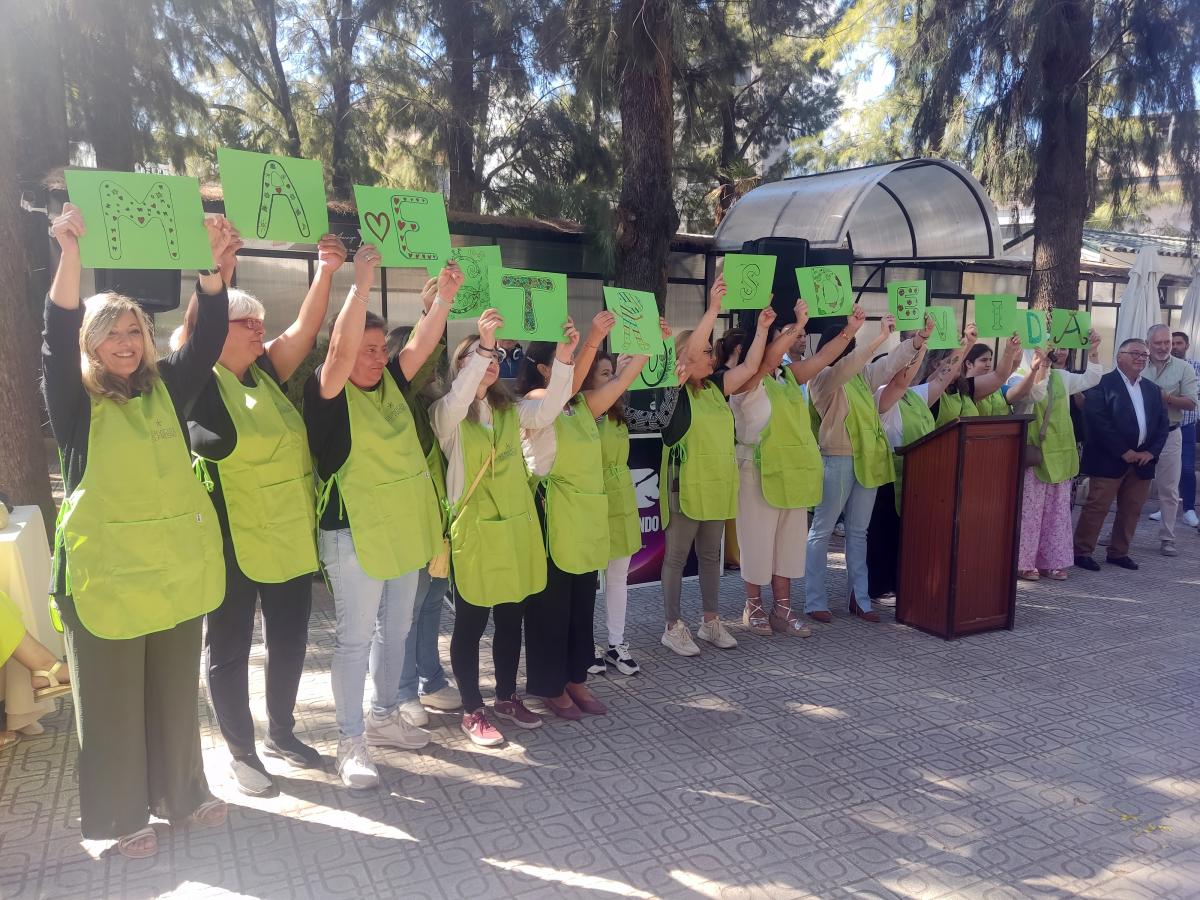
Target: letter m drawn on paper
156, 207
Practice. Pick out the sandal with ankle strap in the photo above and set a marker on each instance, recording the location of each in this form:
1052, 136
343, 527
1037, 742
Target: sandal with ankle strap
126, 845
754, 617
54, 688
784, 620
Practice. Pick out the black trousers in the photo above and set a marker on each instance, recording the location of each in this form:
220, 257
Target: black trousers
558, 632
285, 610
469, 624
883, 544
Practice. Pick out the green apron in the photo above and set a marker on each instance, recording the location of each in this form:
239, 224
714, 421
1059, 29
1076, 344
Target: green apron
708, 475
266, 481
954, 406
993, 404
495, 540
385, 485
1060, 458
788, 459
916, 421
12, 627
872, 451
624, 525
142, 543
575, 498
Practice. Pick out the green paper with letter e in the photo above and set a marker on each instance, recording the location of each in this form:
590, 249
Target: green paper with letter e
996, 315
140, 221
906, 301
475, 295
408, 227
659, 371
1070, 328
274, 198
748, 280
826, 290
1032, 328
945, 328
637, 331
532, 304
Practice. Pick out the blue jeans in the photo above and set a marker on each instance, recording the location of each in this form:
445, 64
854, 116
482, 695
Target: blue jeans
422, 671
842, 496
1187, 478
373, 621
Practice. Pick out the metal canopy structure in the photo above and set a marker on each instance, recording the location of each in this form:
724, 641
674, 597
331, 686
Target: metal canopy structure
920, 209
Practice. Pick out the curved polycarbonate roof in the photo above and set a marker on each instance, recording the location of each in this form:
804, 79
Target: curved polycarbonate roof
912, 209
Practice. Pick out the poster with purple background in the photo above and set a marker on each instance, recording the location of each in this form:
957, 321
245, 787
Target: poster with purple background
645, 456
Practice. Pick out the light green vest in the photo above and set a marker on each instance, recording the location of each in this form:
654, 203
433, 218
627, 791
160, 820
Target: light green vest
266, 480
708, 475
993, 404
1060, 458
624, 526
395, 520
954, 406
12, 628
788, 458
495, 540
142, 543
872, 452
916, 421
575, 498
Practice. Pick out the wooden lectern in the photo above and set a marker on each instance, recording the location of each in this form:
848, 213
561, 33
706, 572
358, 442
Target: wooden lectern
960, 526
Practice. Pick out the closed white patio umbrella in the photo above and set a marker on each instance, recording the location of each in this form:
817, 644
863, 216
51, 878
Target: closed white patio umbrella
1139, 307
1189, 320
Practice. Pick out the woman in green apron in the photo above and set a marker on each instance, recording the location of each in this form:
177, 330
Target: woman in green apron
252, 455
967, 391
379, 519
138, 550
978, 363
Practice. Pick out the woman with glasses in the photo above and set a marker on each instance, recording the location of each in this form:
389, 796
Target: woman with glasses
251, 453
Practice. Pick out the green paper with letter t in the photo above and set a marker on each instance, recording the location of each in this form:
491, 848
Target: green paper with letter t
533, 304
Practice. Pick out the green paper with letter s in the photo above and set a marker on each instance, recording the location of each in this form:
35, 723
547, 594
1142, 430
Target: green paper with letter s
748, 280
274, 198
409, 227
532, 304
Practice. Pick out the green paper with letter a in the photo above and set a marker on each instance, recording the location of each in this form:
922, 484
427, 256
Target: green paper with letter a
408, 227
532, 304
996, 315
906, 301
659, 371
827, 290
945, 328
748, 280
274, 198
475, 295
1070, 328
637, 331
140, 221
1032, 328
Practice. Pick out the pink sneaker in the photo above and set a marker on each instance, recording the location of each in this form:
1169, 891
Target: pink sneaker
516, 712
482, 732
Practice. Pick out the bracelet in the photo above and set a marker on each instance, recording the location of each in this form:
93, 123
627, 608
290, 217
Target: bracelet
843, 334
359, 297
206, 272
439, 301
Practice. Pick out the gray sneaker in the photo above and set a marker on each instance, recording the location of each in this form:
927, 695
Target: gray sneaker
354, 764
714, 631
393, 730
1168, 548
679, 639
252, 778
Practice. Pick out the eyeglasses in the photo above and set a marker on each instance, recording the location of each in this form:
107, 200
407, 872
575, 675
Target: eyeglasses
1136, 355
250, 324
497, 352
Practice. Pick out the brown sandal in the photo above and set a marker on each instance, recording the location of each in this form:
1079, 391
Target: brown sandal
1029, 575
1053, 574
211, 812
784, 621
135, 846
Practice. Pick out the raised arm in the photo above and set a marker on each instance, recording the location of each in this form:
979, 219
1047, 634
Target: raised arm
540, 407
949, 369
348, 329
1022, 391
600, 399
67, 229
895, 389
805, 369
1077, 383
602, 324
702, 334
288, 350
986, 385
429, 330
748, 367
448, 411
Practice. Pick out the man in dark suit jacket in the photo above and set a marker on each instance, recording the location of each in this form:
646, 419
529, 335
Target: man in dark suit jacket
1126, 430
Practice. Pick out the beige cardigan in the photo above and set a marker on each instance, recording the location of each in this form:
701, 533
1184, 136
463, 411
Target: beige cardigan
828, 390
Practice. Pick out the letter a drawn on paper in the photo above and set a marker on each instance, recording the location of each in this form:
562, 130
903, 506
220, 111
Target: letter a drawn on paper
157, 207
277, 184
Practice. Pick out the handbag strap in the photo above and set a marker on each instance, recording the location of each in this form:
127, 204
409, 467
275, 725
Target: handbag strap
1049, 403
462, 501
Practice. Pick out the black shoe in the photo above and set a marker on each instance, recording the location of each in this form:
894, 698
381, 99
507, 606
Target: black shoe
1123, 561
1086, 562
252, 777
618, 655
292, 751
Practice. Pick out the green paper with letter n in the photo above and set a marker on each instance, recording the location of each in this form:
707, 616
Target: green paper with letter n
475, 295
409, 227
906, 301
637, 331
532, 304
945, 328
748, 280
140, 221
1031, 325
996, 315
659, 371
827, 290
1070, 328
274, 198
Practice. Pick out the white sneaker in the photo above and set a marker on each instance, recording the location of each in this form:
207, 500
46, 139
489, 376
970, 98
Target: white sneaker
1191, 519
414, 713
394, 731
354, 764
446, 699
598, 666
713, 631
618, 655
1156, 516
679, 639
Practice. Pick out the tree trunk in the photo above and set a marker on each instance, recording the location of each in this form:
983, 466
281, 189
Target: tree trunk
1060, 200
646, 214
107, 94
459, 35
280, 88
41, 98
728, 155
341, 49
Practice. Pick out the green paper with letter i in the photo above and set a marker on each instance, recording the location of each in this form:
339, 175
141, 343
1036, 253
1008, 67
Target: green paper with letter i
274, 198
659, 371
1032, 328
945, 328
996, 315
906, 301
476, 292
140, 221
408, 227
827, 290
637, 331
748, 280
1070, 328
532, 304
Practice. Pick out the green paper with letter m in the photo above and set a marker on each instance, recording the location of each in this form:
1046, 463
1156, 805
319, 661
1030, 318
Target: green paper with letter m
748, 280
1032, 328
1070, 328
475, 295
408, 227
140, 221
274, 198
827, 290
637, 331
945, 328
532, 304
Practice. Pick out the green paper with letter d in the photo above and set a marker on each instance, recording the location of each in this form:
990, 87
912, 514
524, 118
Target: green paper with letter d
637, 331
476, 292
907, 301
945, 328
1032, 328
408, 227
748, 280
827, 290
274, 198
140, 221
1070, 328
996, 315
533, 304
659, 371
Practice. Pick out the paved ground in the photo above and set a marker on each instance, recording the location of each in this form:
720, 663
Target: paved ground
1060, 759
